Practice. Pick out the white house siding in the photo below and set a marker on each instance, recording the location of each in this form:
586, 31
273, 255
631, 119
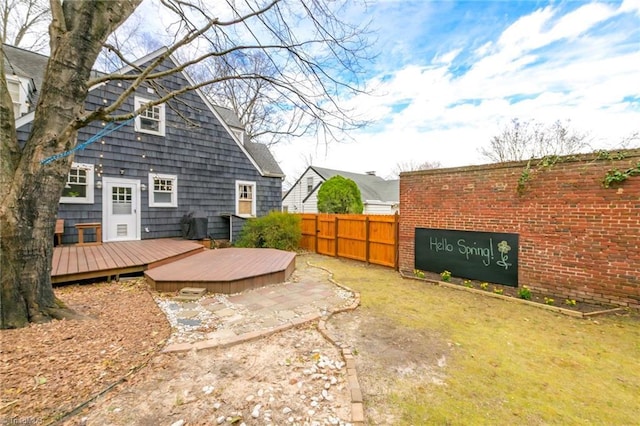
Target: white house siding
380, 207
294, 201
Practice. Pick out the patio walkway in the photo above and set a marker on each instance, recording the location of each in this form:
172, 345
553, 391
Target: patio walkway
221, 319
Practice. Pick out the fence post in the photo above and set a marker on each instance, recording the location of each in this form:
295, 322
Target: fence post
366, 238
315, 234
335, 234
396, 244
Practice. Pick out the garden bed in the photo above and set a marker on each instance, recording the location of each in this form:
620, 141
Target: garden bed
546, 301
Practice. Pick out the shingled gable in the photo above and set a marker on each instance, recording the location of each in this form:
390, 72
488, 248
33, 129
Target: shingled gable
33, 65
260, 152
195, 165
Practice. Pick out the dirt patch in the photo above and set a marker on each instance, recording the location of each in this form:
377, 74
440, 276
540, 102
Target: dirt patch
107, 369
386, 353
294, 377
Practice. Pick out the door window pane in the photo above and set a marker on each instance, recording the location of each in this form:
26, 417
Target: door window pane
121, 200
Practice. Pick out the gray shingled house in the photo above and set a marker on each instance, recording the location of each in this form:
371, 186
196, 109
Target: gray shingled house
177, 164
379, 196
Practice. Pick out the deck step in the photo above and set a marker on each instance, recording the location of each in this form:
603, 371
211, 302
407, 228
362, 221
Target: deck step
190, 293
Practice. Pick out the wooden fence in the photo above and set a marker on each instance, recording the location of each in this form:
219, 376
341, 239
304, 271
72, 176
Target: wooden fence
369, 238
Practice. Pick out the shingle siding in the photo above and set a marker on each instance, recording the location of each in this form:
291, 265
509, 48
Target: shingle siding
205, 158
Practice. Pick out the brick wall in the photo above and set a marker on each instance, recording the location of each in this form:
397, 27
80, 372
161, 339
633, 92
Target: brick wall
577, 239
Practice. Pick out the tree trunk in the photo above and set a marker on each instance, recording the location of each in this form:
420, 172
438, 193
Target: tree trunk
31, 191
27, 250
30, 206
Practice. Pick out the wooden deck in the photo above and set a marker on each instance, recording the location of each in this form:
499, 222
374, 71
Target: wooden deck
81, 262
227, 271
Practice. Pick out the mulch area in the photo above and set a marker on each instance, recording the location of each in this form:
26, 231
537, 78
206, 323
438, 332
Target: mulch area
48, 370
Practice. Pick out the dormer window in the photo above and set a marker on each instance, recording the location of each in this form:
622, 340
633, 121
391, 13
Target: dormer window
150, 120
18, 96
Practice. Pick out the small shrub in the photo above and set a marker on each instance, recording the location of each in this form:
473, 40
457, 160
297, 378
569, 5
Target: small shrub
524, 293
418, 273
446, 276
484, 286
497, 290
548, 301
276, 230
467, 283
570, 302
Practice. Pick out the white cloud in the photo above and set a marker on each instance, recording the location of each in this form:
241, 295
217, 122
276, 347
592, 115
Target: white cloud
557, 64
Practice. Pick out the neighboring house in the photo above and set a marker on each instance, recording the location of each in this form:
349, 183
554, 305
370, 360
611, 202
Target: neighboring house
379, 196
184, 158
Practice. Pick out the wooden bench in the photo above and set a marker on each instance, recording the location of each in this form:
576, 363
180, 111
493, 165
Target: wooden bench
94, 225
59, 230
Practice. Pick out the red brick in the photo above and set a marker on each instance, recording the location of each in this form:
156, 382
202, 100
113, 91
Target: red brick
577, 238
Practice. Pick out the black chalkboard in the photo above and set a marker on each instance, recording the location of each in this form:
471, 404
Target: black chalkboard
483, 256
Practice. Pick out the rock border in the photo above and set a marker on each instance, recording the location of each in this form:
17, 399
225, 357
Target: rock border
357, 404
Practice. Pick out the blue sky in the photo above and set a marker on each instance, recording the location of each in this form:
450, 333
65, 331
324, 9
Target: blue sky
451, 74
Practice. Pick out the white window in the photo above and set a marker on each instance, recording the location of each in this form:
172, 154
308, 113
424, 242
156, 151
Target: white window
79, 186
19, 101
163, 190
309, 184
245, 198
150, 120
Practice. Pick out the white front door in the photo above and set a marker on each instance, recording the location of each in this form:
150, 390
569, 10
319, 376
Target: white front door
121, 209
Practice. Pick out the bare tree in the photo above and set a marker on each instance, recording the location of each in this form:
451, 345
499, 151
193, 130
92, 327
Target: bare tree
130, 41
23, 22
522, 140
314, 54
630, 141
412, 166
262, 110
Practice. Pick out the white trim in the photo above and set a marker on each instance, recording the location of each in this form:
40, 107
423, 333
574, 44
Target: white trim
25, 119
174, 191
105, 205
88, 198
138, 102
139, 62
254, 200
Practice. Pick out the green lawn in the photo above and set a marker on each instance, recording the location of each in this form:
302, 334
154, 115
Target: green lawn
511, 364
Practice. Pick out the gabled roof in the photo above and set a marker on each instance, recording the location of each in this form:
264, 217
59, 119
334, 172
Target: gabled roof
24, 63
30, 64
260, 152
229, 117
371, 187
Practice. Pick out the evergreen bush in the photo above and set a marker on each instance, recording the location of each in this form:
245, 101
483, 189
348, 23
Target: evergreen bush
276, 230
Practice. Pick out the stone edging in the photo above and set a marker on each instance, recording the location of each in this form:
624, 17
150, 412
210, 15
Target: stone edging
558, 309
240, 338
357, 404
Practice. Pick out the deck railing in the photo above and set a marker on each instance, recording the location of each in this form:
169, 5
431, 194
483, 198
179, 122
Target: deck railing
369, 238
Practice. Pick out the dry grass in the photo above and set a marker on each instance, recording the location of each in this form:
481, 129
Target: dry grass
510, 364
